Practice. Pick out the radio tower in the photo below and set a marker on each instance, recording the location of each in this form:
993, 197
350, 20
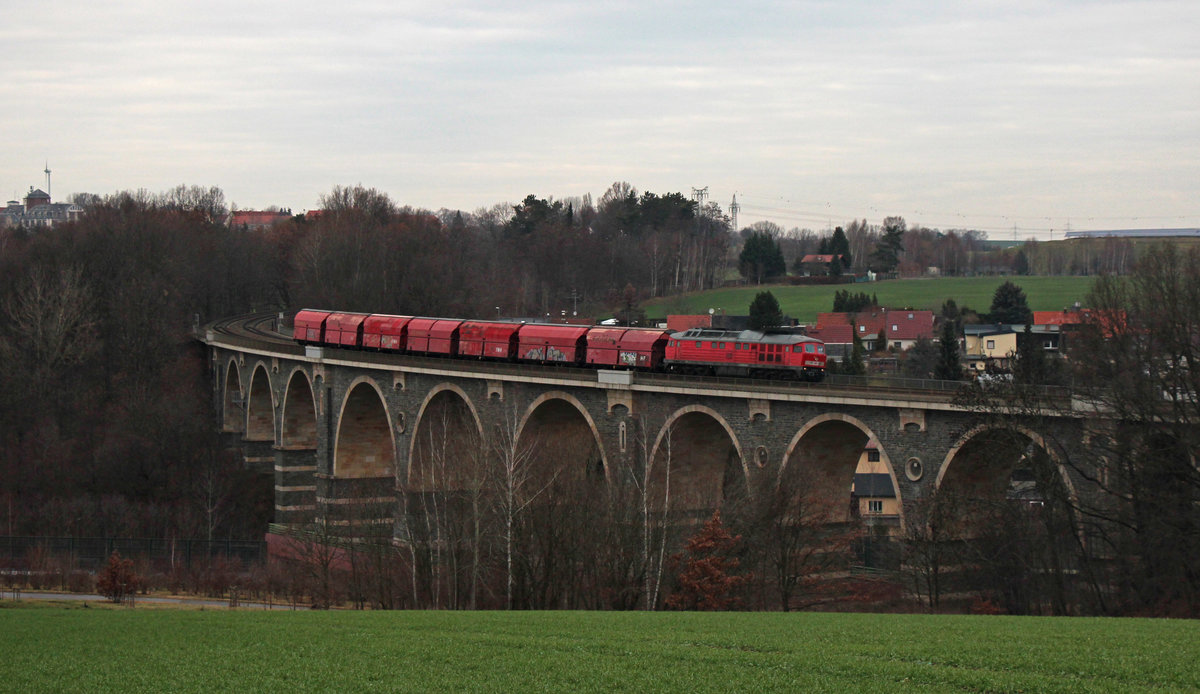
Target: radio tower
47, 177
700, 195
733, 210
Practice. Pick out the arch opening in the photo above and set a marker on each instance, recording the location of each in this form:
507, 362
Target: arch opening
299, 429
260, 410
994, 472
234, 411
446, 450
365, 447
1005, 505
821, 468
697, 467
562, 446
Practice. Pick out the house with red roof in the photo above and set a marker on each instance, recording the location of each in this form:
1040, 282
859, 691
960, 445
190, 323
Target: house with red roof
816, 264
881, 328
256, 219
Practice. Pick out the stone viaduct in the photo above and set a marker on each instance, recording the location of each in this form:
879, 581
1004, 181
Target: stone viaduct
344, 428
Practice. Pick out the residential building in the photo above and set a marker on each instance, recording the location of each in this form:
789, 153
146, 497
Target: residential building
256, 219
874, 493
816, 264
993, 346
882, 328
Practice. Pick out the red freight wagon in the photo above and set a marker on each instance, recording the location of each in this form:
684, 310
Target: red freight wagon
553, 343
418, 334
487, 339
642, 349
309, 326
602, 346
344, 329
385, 332
433, 336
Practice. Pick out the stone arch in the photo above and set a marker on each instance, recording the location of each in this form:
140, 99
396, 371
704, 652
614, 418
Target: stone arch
364, 445
260, 406
445, 450
705, 462
821, 460
983, 467
556, 426
1007, 436
233, 402
298, 428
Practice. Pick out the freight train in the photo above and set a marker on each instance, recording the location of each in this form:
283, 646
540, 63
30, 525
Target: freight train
701, 351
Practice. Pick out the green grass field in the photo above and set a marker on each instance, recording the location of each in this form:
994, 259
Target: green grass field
59, 649
803, 303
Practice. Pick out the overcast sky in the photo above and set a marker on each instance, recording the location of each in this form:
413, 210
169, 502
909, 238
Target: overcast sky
984, 115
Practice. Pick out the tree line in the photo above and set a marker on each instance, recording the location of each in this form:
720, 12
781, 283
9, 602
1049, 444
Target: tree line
106, 418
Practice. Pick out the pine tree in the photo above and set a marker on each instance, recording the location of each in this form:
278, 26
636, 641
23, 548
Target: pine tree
765, 312
949, 366
855, 363
1010, 306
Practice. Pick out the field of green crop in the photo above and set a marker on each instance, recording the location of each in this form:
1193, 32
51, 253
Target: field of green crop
803, 303
96, 650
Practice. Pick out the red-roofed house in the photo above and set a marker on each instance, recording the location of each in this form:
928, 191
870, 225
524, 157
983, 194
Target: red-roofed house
883, 328
816, 264
838, 339
255, 219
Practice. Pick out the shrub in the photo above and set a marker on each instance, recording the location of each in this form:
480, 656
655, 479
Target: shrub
117, 580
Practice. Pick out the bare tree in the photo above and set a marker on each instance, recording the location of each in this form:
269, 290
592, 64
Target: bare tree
517, 487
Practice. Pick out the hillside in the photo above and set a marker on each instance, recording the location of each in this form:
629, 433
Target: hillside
803, 303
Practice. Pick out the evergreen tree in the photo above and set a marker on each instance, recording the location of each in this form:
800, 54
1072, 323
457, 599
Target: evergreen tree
855, 363
764, 311
761, 257
890, 246
922, 359
1030, 367
949, 365
840, 245
1010, 306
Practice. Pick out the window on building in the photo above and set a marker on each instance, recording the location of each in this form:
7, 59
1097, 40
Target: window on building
991, 344
874, 505
895, 327
862, 328
896, 344
873, 455
699, 343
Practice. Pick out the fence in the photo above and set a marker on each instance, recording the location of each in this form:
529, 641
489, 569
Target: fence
89, 552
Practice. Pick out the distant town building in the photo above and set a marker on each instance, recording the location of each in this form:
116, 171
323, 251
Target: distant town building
256, 219
38, 212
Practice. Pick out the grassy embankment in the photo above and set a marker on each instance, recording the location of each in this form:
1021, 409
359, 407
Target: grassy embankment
98, 650
803, 303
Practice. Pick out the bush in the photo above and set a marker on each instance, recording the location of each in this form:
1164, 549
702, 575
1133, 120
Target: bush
118, 581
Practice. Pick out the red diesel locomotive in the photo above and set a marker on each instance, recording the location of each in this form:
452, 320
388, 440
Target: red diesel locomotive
746, 353
695, 351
